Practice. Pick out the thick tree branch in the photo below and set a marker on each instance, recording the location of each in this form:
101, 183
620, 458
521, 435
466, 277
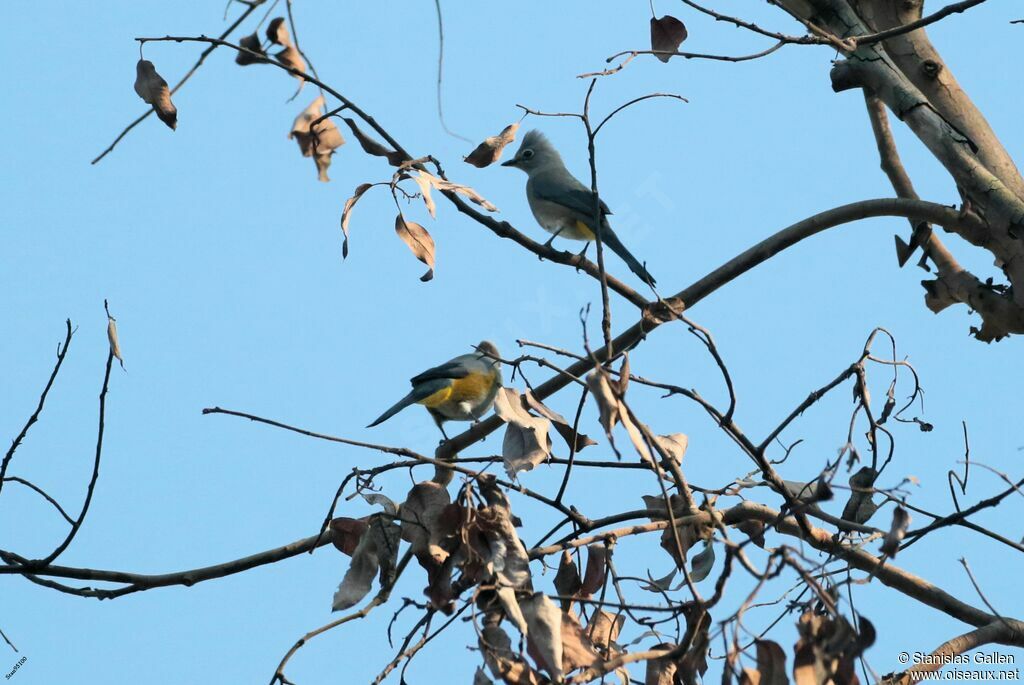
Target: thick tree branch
665, 310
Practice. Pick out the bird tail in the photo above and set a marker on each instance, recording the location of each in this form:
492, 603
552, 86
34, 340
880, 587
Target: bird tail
609, 238
411, 398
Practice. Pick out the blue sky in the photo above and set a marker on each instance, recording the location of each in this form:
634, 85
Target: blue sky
220, 254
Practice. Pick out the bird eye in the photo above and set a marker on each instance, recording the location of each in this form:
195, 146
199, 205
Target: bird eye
527, 154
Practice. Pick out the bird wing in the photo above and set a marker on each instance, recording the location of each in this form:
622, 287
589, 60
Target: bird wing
460, 367
572, 195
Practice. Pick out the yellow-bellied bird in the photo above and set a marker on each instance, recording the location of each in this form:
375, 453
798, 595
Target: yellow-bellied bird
462, 389
561, 204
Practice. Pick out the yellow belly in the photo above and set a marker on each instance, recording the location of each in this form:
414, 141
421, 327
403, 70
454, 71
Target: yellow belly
583, 232
472, 388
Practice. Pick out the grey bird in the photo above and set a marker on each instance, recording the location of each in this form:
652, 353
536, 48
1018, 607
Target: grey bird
461, 389
561, 204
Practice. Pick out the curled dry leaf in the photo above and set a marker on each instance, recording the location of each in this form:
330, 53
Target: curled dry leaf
702, 563
597, 569
660, 585
115, 346
577, 647
693, 664
861, 507
153, 90
604, 627
674, 445
504, 662
424, 185
509, 602
494, 540
607, 403
828, 649
898, 529
419, 241
377, 551
771, 666
470, 194
526, 441
567, 579
390, 508
480, 677
544, 619
277, 32
422, 524
661, 671
346, 533
291, 58
346, 214
317, 138
688, 535
373, 147
252, 44
561, 425
817, 490
489, 151
667, 34
753, 529
606, 393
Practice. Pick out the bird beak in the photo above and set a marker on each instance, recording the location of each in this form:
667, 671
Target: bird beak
512, 162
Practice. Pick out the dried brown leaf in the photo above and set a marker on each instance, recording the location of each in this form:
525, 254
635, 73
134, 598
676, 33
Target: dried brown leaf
661, 671
503, 661
567, 579
252, 44
817, 490
597, 569
861, 507
480, 677
373, 147
771, 664
493, 539
153, 90
489, 151
544, 619
316, 137
425, 185
377, 551
419, 242
897, 530
468, 192
346, 533
421, 522
526, 442
277, 32
577, 647
674, 445
702, 563
608, 404
291, 58
688, 535
561, 425
694, 663
115, 346
828, 649
604, 627
346, 214
753, 529
514, 613
667, 34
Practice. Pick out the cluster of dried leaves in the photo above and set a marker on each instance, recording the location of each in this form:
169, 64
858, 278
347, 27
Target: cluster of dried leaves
276, 34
